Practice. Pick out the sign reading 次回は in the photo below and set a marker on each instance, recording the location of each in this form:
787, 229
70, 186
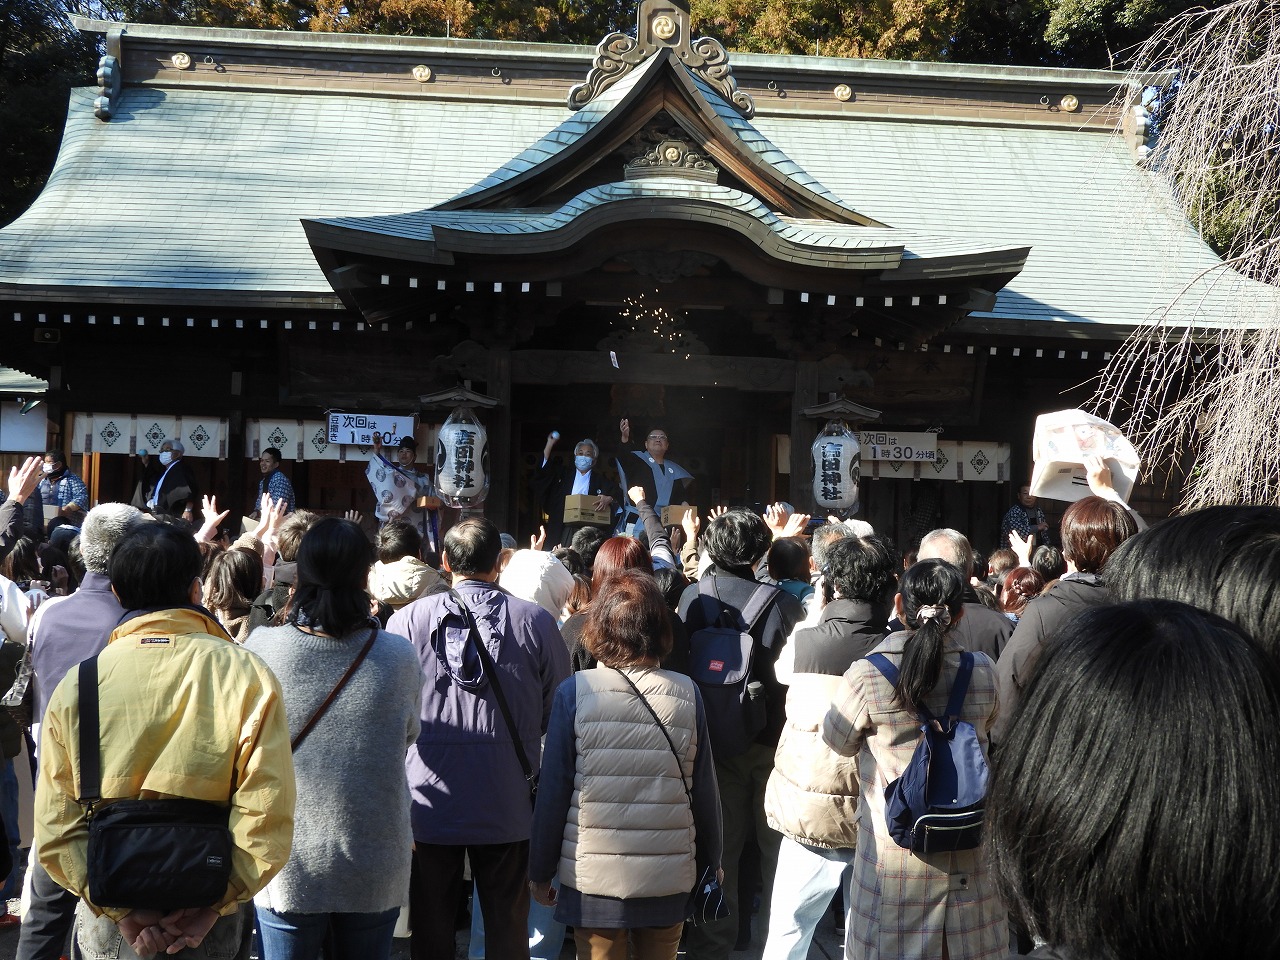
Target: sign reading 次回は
895, 445
358, 429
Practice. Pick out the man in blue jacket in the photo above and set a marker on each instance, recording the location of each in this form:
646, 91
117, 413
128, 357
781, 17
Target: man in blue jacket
470, 794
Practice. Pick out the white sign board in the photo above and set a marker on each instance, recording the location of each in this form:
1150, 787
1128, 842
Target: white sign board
896, 445
358, 428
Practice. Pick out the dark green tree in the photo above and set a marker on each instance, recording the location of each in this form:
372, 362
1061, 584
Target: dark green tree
41, 56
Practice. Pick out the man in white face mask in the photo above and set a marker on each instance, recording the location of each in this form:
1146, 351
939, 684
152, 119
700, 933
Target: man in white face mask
63, 489
554, 481
175, 492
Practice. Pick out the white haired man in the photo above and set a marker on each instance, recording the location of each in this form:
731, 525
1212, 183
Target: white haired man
981, 628
555, 481
175, 493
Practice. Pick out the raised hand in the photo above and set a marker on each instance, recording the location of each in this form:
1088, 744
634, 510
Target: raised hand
535, 543
775, 518
691, 525
1099, 476
624, 430
212, 518
23, 480
795, 525
1021, 547
354, 516
636, 494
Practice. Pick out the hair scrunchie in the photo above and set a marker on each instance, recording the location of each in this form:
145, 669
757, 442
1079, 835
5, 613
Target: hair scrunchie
937, 611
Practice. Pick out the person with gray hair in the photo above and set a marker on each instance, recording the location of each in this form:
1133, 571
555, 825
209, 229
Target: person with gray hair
65, 631
981, 628
555, 481
175, 493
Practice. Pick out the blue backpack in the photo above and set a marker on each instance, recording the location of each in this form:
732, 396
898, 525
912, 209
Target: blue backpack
937, 803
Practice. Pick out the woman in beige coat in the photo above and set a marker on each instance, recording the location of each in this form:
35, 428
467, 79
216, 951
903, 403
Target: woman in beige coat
925, 906
628, 812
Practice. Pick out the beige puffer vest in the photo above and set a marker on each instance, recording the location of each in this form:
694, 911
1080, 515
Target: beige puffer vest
812, 793
629, 832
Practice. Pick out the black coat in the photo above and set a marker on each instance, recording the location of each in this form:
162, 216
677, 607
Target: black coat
847, 631
552, 484
177, 489
1041, 620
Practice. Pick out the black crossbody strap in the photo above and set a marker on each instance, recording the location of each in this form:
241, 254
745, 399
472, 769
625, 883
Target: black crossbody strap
491, 670
661, 726
90, 760
320, 710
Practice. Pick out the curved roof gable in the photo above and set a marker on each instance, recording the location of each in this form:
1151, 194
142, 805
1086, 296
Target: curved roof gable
596, 131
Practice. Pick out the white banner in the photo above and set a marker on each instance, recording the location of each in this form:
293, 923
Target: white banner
959, 461
309, 440
134, 433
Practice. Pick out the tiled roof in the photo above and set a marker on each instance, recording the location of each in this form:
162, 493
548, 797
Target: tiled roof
15, 382
191, 192
804, 241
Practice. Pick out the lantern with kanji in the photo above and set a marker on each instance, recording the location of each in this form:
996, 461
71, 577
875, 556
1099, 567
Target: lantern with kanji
836, 467
462, 459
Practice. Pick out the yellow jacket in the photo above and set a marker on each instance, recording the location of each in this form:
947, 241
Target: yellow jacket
184, 713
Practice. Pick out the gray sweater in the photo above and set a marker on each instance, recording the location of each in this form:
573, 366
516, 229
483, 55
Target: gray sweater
351, 839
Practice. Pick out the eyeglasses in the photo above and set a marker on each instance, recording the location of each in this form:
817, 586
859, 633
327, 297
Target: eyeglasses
658, 437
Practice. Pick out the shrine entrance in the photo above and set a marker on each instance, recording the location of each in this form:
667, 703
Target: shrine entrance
725, 437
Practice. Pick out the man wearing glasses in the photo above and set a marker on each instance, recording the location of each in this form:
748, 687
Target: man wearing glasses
660, 477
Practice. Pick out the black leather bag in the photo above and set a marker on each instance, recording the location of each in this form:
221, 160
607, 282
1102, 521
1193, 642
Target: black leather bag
147, 854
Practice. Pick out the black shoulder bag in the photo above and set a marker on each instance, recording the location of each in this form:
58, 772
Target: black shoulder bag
706, 900
147, 854
486, 661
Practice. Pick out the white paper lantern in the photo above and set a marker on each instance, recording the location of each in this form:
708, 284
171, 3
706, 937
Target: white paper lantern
462, 460
836, 468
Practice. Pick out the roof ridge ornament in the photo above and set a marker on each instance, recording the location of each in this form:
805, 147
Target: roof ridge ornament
661, 24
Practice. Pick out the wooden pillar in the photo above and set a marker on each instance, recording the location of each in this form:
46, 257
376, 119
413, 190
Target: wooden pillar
803, 432
500, 506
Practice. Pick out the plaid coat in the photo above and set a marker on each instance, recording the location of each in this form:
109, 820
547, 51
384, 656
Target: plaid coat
904, 904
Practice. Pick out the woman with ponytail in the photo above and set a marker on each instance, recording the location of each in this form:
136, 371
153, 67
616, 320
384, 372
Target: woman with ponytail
927, 906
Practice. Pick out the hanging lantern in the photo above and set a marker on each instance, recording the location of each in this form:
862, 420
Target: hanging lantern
462, 459
836, 468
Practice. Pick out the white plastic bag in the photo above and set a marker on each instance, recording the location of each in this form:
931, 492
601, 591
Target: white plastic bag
1063, 439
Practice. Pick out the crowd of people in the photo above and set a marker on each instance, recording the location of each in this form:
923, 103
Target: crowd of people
579, 733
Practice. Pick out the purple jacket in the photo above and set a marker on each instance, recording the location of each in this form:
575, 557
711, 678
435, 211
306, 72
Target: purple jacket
69, 630
464, 777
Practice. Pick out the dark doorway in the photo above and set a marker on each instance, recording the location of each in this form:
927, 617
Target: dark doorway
724, 437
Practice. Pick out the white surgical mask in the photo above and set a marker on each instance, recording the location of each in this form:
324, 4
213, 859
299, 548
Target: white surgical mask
166, 458
48, 468
584, 463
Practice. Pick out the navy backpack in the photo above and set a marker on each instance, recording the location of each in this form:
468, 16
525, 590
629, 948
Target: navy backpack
937, 803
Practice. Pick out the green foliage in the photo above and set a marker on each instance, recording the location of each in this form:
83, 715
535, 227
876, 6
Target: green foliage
889, 29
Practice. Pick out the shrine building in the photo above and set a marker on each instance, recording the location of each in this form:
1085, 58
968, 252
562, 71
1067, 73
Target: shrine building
248, 230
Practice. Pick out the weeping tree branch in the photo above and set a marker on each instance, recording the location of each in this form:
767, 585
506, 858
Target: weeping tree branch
1201, 381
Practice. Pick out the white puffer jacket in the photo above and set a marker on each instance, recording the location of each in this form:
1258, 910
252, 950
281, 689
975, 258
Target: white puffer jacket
629, 832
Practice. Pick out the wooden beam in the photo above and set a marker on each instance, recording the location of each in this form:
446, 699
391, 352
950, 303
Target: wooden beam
803, 432
739, 373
